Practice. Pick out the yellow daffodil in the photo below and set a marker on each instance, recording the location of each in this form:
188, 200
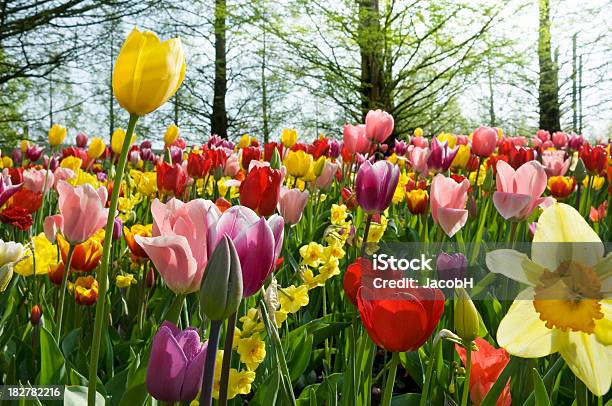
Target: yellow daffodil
293, 298
566, 307
45, 253
334, 251
147, 72
400, 191
123, 281
56, 135
298, 163
377, 230
330, 268
310, 281
280, 316
251, 323
96, 148
81, 178
312, 254
240, 383
289, 137
338, 214
252, 352
171, 135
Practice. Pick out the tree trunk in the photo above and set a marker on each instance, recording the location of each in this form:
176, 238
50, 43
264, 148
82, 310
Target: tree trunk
218, 124
264, 92
550, 115
370, 48
111, 100
491, 99
574, 86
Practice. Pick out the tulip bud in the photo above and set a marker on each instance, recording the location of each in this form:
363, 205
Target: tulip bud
172, 133
81, 140
117, 228
96, 148
319, 165
275, 160
35, 315
467, 322
221, 290
56, 135
580, 171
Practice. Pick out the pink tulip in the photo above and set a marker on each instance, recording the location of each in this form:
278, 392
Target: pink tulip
291, 204
62, 174
82, 211
420, 142
327, 176
518, 141
232, 165
447, 201
418, 159
537, 143
543, 135
355, 140
560, 139
38, 180
51, 226
554, 162
484, 141
178, 247
462, 139
258, 242
546, 145
379, 125
520, 191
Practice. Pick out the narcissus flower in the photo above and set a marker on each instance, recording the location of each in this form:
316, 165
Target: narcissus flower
124, 281
564, 309
147, 72
293, 298
252, 352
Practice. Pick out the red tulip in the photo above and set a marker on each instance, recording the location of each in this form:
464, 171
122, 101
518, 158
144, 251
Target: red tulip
352, 278
198, 165
521, 155
249, 154
419, 308
260, 190
171, 178
269, 150
595, 158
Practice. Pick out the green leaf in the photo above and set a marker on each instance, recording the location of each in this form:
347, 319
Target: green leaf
301, 351
541, 397
135, 396
501, 382
268, 390
52, 365
407, 399
77, 396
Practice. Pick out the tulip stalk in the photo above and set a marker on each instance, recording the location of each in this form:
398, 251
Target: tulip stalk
227, 359
62, 297
390, 380
468, 369
209, 364
103, 275
365, 234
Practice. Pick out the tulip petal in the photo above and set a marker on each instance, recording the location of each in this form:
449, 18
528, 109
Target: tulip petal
167, 365
589, 360
451, 220
510, 205
255, 247
193, 374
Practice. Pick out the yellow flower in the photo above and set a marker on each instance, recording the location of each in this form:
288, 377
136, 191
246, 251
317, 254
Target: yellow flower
566, 307
147, 72
298, 163
81, 177
96, 148
461, 159
418, 132
482, 175
23, 145
334, 251
288, 137
117, 140
310, 281
452, 140
598, 182
244, 142
400, 191
57, 133
123, 281
217, 376
45, 253
145, 182
251, 323
312, 254
338, 214
330, 268
240, 383
72, 162
292, 299
172, 133
252, 352
6, 162
377, 230
280, 316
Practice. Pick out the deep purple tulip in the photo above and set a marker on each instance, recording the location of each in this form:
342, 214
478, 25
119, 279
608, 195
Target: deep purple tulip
451, 266
33, 153
17, 156
174, 373
334, 149
147, 155
7, 189
258, 242
117, 228
81, 140
441, 156
375, 185
176, 154
400, 148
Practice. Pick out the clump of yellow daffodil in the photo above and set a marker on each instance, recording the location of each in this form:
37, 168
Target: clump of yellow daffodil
45, 254
566, 307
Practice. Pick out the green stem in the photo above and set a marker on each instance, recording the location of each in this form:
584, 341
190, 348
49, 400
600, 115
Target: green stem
103, 270
60, 310
365, 234
174, 312
227, 359
468, 369
432, 360
209, 364
390, 380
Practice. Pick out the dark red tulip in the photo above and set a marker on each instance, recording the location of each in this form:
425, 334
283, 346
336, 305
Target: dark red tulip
198, 164
595, 158
171, 178
269, 150
520, 155
260, 190
249, 154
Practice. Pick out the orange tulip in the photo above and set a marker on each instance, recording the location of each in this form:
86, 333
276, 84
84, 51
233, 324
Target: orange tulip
86, 290
86, 255
137, 229
561, 186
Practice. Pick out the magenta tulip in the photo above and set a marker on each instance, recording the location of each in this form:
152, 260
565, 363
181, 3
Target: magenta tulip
178, 247
291, 204
176, 363
484, 141
375, 185
258, 242
378, 125
519, 192
441, 156
7, 189
327, 176
447, 201
355, 140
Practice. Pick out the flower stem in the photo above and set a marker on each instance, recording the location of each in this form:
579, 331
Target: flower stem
209, 364
227, 359
432, 360
60, 309
103, 270
468, 368
365, 234
390, 380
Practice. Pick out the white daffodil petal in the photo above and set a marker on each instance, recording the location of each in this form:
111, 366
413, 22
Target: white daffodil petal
589, 360
522, 333
603, 326
561, 223
514, 265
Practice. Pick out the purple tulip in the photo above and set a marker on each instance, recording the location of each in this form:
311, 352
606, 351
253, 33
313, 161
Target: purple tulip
174, 373
17, 156
81, 140
334, 149
147, 155
400, 148
451, 266
441, 156
575, 141
52, 164
258, 242
117, 228
33, 153
176, 154
7, 189
375, 185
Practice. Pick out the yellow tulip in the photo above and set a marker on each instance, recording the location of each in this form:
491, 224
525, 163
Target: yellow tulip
6, 162
72, 162
24, 145
147, 72
96, 148
172, 133
463, 156
452, 140
117, 140
57, 133
418, 132
289, 137
244, 142
298, 163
